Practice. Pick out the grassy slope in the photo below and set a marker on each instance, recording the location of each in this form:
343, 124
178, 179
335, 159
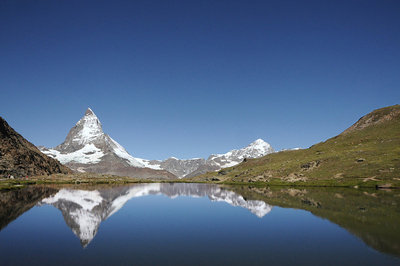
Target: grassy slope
374, 138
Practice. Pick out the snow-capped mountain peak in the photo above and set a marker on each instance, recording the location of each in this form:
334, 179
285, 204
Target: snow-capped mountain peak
259, 143
89, 127
86, 145
256, 149
89, 112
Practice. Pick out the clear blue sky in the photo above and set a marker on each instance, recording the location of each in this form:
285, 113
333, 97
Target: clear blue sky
190, 78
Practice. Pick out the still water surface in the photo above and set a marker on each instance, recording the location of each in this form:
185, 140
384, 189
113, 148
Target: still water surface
198, 224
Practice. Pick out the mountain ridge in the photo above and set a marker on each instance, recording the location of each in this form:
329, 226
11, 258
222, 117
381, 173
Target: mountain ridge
88, 149
185, 168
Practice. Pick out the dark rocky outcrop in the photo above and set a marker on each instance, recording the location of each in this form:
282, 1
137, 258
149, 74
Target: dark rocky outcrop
19, 157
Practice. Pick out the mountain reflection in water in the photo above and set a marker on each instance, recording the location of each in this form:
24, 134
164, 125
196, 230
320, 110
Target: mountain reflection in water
84, 210
154, 223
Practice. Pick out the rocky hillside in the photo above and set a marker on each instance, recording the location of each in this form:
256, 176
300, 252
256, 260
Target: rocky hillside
88, 149
20, 158
366, 154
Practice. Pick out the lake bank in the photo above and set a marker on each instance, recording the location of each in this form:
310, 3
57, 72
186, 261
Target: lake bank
93, 179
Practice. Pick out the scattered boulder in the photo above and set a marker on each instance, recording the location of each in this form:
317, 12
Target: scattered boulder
384, 186
338, 175
311, 202
295, 177
310, 165
222, 172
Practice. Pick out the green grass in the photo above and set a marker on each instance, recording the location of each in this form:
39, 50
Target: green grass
78, 179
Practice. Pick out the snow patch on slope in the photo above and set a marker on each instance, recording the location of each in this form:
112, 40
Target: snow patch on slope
122, 153
255, 149
147, 164
89, 154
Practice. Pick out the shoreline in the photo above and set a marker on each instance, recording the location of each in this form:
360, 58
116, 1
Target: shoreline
9, 184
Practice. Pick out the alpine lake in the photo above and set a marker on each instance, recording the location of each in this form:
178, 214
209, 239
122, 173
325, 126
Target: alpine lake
198, 224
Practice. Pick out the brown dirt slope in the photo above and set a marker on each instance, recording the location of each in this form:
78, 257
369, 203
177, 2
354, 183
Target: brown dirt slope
20, 158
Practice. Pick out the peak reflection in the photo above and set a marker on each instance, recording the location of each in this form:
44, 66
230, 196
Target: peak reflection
84, 210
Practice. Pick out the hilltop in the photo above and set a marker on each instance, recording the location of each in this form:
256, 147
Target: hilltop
365, 154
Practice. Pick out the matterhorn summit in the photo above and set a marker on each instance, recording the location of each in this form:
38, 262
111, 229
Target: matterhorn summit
88, 130
88, 149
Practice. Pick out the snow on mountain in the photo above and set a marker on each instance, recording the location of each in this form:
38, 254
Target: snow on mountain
148, 164
292, 149
86, 143
256, 149
196, 166
90, 128
122, 153
88, 154
88, 149
84, 210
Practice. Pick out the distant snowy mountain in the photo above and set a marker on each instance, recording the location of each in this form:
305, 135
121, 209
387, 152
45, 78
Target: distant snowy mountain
196, 166
88, 149
84, 210
255, 149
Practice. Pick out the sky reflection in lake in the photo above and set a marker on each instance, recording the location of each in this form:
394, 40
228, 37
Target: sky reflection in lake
175, 224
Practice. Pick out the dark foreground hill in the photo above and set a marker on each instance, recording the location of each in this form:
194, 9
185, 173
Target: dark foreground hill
20, 158
366, 154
